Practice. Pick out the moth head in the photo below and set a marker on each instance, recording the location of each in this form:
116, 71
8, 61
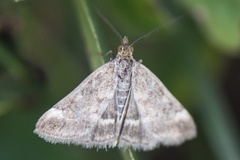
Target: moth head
125, 50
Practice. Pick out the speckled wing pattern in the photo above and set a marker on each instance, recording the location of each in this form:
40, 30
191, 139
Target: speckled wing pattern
154, 117
86, 115
121, 104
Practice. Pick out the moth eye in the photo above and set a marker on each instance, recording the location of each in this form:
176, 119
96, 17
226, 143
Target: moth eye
120, 48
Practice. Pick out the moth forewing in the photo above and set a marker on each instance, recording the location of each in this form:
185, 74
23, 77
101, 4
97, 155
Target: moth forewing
75, 118
164, 120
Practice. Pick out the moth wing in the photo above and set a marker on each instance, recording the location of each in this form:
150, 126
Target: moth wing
155, 116
80, 116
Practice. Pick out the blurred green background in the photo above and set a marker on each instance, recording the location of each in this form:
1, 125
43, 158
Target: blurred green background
48, 47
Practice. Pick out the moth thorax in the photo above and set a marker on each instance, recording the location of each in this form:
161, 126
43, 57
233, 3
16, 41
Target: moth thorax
124, 72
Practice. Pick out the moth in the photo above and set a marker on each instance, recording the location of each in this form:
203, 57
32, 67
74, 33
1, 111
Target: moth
123, 104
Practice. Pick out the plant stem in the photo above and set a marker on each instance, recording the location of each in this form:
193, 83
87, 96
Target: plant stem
91, 35
88, 26
127, 154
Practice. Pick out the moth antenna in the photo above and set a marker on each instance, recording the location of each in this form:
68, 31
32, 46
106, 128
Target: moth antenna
110, 25
156, 29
